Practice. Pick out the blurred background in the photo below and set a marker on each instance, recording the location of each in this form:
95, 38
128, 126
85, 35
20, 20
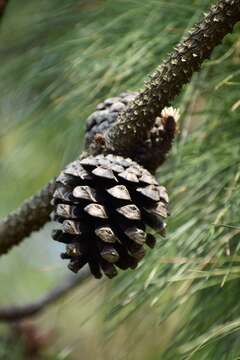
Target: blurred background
58, 59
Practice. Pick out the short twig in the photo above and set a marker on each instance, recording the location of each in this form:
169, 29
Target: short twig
13, 313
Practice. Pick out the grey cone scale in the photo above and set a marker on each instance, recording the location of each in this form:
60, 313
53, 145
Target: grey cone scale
106, 234
130, 212
136, 235
119, 192
85, 192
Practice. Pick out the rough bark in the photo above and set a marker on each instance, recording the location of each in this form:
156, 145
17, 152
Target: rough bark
168, 79
29, 217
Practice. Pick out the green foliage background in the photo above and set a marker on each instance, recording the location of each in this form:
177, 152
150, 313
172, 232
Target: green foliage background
59, 59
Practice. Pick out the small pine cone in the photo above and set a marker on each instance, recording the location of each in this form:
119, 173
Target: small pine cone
104, 204
152, 153
106, 114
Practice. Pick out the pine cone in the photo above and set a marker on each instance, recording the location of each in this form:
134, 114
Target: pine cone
106, 115
152, 152
104, 204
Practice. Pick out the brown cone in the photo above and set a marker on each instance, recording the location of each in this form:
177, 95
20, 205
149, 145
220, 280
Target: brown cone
105, 204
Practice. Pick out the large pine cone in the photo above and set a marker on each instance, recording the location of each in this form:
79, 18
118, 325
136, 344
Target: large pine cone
152, 152
104, 204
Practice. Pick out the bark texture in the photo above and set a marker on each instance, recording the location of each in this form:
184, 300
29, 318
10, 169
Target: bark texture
167, 81
29, 217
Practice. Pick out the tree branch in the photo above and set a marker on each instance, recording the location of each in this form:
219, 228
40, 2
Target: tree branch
14, 313
29, 217
168, 79
137, 120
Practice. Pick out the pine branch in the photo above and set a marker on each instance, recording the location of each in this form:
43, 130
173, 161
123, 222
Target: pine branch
14, 313
136, 121
168, 79
29, 217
